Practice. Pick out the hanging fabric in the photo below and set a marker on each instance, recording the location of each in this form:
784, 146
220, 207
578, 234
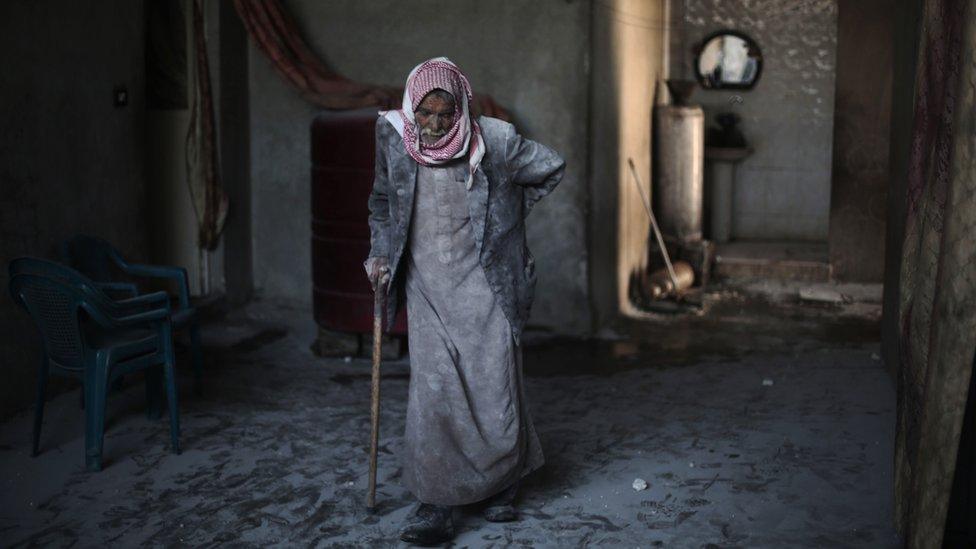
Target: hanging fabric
938, 272
202, 175
275, 34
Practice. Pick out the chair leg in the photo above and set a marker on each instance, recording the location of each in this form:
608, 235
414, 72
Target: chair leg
154, 390
96, 385
197, 354
169, 375
39, 406
173, 405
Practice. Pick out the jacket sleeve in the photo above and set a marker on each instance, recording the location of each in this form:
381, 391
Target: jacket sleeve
379, 206
537, 168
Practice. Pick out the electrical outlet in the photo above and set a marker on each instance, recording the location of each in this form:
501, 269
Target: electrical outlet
120, 96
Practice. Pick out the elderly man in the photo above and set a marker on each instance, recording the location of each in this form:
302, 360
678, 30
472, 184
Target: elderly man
447, 218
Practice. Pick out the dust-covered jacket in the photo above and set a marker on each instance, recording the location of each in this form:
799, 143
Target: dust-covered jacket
513, 175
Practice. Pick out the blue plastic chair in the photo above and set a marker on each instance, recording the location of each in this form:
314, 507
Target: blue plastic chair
121, 307
96, 290
98, 351
102, 263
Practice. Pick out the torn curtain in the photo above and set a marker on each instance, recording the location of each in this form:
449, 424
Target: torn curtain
938, 271
202, 175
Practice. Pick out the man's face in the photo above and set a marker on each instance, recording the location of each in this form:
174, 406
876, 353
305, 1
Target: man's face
434, 116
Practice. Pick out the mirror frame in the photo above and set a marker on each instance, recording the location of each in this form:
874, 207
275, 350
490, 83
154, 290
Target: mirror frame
739, 34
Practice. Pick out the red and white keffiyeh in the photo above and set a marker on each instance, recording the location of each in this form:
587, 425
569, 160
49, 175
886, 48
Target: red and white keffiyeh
464, 136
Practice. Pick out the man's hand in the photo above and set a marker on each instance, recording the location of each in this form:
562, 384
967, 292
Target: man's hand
378, 270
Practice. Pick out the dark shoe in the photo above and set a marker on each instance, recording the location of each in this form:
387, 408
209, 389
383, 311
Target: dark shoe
501, 506
430, 525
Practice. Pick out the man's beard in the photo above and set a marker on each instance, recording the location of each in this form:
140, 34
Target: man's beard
429, 136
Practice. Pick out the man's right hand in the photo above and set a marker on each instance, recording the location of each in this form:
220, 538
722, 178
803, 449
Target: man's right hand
378, 270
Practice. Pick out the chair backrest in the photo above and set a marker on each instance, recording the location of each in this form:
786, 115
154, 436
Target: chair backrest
92, 256
52, 269
54, 306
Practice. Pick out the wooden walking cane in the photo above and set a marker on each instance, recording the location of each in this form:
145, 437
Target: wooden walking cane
379, 301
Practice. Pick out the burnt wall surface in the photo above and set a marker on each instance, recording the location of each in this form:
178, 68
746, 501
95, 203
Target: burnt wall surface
862, 115
782, 191
530, 56
70, 161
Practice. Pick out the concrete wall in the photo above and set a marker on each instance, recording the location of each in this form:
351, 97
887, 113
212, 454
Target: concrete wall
173, 240
905, 37
862, 117
174, 235
231, 96
783, 190
70, 161
529, 55
627, 60
235, 148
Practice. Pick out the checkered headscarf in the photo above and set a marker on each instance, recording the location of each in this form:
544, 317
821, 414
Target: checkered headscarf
464, 136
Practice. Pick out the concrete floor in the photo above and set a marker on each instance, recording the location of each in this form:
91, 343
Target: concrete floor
759, 425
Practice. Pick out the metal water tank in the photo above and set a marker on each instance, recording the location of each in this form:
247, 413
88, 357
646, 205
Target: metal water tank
343, 151
679, 170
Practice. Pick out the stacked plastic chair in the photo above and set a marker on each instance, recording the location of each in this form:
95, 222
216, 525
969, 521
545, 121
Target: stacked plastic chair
100, 261
88, 335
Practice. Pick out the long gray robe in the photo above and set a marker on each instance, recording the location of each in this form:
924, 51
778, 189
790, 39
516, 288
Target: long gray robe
513, 176
468, 430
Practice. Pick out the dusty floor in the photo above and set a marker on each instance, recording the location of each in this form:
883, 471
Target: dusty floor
760, 425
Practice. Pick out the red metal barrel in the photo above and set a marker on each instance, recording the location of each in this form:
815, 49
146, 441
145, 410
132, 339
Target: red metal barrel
343, 151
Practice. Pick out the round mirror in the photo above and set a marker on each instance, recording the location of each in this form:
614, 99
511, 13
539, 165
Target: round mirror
728, 60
